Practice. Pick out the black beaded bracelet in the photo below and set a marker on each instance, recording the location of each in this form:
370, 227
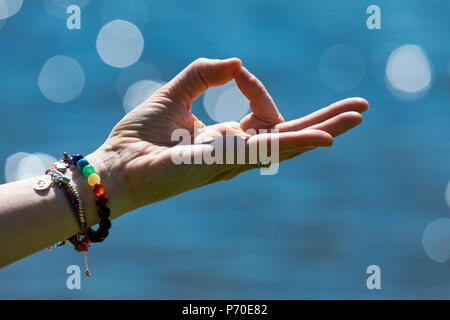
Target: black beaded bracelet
104, 226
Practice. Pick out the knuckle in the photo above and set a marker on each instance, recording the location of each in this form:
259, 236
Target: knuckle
200, 62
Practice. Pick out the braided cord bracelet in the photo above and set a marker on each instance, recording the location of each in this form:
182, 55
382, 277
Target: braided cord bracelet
69, 191
80, 243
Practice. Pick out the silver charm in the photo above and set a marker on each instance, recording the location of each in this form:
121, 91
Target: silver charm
42, 184
61, 167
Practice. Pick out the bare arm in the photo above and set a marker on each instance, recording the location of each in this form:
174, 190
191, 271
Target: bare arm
33, 220
135, 162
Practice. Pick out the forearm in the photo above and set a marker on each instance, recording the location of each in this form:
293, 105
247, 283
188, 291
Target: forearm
33, 220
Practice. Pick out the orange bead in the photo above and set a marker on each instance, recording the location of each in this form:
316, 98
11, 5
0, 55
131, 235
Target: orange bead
99, 189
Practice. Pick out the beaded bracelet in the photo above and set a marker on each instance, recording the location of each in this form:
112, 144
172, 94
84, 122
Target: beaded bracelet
82, 164
80, 242
69, 190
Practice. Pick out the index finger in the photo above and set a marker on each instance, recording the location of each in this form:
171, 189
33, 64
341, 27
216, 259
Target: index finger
264, 111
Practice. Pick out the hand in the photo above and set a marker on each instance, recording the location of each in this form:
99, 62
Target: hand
136, 162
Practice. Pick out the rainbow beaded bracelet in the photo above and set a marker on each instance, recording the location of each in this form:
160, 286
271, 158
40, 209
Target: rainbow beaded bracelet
82, 164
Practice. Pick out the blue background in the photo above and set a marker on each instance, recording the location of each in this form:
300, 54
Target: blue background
308, 232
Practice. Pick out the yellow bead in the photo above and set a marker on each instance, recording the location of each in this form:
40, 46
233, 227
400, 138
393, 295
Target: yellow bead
93, 179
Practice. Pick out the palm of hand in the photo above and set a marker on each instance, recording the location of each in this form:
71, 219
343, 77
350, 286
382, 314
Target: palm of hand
143, 138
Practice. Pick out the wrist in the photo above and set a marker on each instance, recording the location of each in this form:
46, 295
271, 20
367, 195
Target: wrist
110, 175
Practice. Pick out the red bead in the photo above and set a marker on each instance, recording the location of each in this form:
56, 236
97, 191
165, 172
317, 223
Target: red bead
101, 200
99, 189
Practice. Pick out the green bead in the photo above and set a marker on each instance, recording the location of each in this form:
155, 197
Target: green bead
88, 170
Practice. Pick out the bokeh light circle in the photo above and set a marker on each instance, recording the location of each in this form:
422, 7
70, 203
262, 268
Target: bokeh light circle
120, 43
436, 240
11, 165
139, 92
9, 8
2, 21
226, 103
408, 69
23, 165
61, 79
3, 12
342, 67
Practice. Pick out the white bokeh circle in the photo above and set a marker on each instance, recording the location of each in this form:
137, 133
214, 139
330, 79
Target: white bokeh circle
408, 69
342, 67
436, 240
120, 43
139, 92
23, 165
61, 79
226, 103
9, 8
11, 165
